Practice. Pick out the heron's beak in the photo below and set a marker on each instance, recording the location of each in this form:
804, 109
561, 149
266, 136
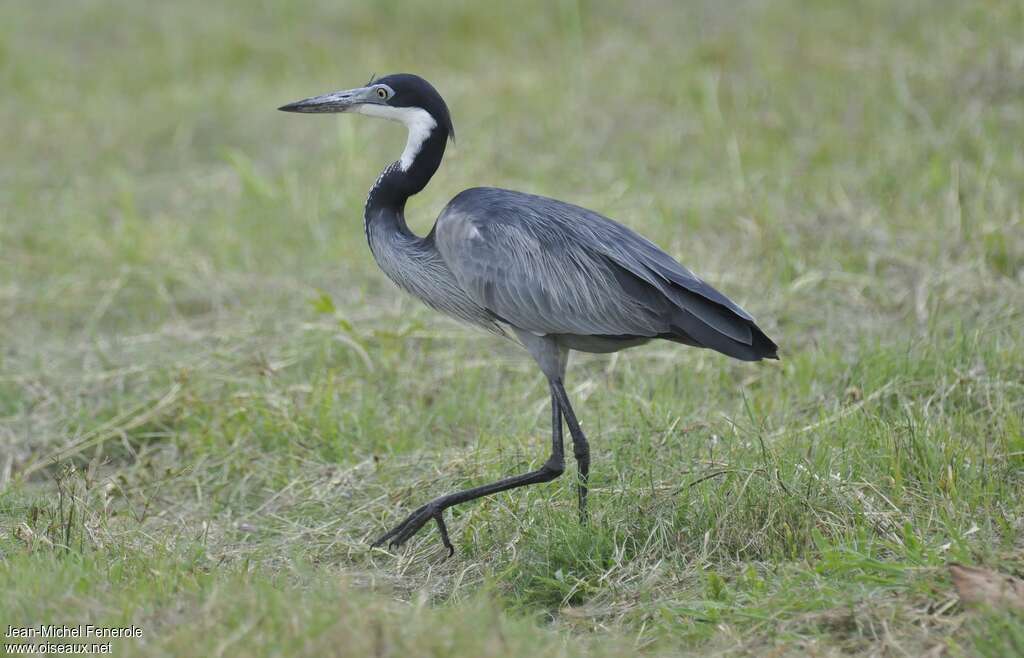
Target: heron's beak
339, 101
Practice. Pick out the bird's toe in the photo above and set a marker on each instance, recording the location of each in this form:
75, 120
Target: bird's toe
405, 530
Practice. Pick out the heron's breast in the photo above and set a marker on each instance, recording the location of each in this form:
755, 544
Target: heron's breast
418, 269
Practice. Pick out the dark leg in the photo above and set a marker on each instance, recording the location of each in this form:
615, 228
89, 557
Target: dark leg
580, 447
554, 467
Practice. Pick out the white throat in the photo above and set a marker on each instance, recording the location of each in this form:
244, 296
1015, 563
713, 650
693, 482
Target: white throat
417, 120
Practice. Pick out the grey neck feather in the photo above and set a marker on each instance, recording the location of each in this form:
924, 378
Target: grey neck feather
391, 241
414, 265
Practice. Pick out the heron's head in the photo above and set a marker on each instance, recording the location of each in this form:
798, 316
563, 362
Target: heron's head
401, 97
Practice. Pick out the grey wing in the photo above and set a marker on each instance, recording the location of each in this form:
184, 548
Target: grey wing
535, 277
553, 268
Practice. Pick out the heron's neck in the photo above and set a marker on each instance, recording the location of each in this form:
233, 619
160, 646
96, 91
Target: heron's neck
410, 174
391, 241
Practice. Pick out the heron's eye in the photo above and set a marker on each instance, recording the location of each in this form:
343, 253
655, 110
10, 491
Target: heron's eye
382, 93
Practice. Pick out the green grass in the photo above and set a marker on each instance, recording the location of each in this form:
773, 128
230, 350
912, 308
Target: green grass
210, 398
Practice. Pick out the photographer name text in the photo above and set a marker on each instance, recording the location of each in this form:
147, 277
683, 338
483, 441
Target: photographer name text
61, 631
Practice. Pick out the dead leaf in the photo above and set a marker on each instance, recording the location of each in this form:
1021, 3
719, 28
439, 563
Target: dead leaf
976, 585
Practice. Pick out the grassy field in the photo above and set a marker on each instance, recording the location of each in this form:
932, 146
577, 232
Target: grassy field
210, 398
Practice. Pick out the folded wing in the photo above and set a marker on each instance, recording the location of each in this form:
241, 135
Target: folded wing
549, 267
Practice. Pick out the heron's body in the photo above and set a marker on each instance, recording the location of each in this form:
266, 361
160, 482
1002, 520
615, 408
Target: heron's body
557, 276
500, 258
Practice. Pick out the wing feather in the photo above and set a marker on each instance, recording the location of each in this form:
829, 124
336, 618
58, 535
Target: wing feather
553, 268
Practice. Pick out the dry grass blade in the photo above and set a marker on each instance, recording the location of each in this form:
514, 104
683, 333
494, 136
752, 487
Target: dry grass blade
129, 420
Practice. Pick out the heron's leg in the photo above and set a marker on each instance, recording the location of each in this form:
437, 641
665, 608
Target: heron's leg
551, 469
580, 447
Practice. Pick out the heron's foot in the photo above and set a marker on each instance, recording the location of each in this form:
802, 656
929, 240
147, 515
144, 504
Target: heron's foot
413, 524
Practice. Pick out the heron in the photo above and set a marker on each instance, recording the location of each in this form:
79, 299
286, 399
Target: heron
555, 276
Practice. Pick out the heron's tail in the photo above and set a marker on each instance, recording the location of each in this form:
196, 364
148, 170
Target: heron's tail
703, 323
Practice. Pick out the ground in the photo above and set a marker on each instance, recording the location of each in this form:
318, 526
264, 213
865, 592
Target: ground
211, 399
